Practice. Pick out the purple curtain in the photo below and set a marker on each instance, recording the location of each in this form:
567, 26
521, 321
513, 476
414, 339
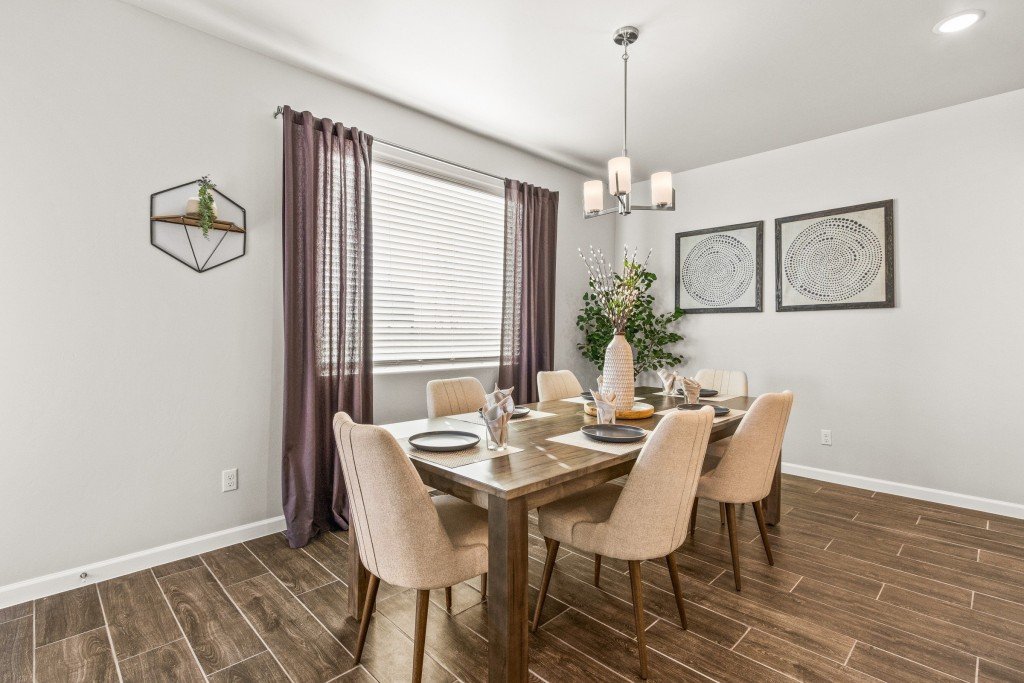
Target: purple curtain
327, 313
528, 308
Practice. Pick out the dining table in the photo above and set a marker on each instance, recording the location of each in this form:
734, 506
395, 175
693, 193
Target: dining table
509, 485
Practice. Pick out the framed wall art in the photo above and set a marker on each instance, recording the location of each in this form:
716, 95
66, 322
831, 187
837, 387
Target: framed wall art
835, 259
719, 270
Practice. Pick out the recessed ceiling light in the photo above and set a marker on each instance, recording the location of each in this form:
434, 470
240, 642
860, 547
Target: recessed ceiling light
959, 21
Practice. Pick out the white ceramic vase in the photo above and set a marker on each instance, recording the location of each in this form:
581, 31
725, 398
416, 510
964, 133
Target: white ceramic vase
618, 371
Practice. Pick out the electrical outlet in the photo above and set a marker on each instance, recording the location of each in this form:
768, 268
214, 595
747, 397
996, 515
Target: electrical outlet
826, 437
229, 480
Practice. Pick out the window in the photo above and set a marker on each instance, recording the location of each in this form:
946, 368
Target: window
438, 253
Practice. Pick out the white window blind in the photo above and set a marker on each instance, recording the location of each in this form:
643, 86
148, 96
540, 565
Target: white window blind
438, 249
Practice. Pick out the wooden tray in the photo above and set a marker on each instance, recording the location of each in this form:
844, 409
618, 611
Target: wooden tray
638, 412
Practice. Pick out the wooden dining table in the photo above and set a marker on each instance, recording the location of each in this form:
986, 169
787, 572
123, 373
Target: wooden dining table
508, 486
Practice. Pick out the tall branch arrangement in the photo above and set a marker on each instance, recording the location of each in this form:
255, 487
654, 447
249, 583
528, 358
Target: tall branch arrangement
650, 334
616, 294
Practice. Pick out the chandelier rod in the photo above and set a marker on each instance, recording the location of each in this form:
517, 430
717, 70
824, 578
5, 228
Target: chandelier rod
625, 95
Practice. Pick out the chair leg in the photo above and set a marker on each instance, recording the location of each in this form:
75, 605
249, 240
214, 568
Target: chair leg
597, 570
721, 512
420, 639
638, 615
673, 572
549, 565
693, 517
483, 587
759, 513
730, 517
448, 599
364, 622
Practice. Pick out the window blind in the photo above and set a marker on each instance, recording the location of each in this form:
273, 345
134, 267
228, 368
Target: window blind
438, 249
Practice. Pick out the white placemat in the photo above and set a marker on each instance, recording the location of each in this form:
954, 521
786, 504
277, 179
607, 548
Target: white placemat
576, 399
466, 456
477, 420
733, 412
580, 441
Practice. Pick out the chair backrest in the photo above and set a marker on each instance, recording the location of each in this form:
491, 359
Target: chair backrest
748, 466
454, 396
725, 382
400, 536
554, 385
652, 515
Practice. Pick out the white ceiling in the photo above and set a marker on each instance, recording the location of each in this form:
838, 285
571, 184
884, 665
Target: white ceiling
710, 80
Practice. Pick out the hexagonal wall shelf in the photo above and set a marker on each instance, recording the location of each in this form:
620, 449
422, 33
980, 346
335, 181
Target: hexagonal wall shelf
178, 235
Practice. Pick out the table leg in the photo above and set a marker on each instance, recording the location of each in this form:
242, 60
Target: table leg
507, 577
358, 578
773, 503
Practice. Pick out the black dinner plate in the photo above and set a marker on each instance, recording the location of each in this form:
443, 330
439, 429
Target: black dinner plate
719, 410
443, 441
614, 433
520, 411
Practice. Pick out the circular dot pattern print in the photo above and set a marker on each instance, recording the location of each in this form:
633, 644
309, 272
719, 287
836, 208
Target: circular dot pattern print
718, 270
833, 260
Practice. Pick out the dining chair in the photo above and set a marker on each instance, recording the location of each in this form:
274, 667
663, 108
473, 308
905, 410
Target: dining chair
643, 520
554, 385
725, 382
454, 396
405, 536
745, 473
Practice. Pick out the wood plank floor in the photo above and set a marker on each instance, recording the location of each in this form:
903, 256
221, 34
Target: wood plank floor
866, 586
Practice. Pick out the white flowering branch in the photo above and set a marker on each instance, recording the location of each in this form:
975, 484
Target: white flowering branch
616, 294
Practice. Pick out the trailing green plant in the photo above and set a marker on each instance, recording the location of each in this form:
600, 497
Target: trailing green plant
206, 214
649, 333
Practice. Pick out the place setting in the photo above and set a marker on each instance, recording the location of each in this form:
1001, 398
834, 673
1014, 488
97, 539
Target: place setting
456, 448
606, 435
692, 392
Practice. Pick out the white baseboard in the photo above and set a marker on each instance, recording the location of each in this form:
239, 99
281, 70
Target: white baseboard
996, 507
32, 589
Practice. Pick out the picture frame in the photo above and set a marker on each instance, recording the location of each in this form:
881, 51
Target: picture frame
836, 259
720, 270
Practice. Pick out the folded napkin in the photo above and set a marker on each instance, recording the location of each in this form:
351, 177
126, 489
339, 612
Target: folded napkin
691, 388
497, 412
668, 379
605, 402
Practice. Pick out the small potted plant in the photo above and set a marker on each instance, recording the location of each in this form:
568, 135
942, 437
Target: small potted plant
203, 207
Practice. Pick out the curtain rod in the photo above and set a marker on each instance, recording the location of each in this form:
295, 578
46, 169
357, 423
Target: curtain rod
280, 110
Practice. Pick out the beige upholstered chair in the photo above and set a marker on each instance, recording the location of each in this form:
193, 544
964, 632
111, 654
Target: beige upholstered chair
405, 537
745, 472
557, 384
454, 396
642, 520
725, 382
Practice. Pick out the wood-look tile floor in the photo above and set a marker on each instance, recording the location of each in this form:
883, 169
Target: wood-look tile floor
865, 586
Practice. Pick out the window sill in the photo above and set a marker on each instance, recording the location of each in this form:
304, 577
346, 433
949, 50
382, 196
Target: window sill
425, 368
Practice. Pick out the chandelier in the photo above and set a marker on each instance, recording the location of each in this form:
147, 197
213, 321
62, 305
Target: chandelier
663, 196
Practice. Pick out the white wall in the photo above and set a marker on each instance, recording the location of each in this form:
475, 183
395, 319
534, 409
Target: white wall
927, 393
127, 381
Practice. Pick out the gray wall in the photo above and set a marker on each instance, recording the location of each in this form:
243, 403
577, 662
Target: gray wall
127, 381
925, 394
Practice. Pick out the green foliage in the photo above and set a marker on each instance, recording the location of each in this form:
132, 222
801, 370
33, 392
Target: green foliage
206, 205
649, 333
